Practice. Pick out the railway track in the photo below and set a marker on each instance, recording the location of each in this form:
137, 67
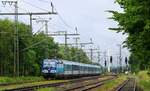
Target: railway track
128, 85
7, 84
32, 88
87, 85
15, 83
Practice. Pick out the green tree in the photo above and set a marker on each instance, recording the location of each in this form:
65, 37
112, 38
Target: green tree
46, 48
135, 22
73, 54
32, 49
6, 47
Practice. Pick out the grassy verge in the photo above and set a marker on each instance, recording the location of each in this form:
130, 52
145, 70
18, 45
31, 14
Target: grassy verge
47, 89
111, 84
5, 80
143, 80
69, 85
29, 84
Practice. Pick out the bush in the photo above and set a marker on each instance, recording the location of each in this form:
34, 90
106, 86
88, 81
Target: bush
4, 80
148, 73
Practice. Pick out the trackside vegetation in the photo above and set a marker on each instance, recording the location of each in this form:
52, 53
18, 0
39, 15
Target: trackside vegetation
47, 89
7, 80
143, 80
110, 85
33, 48
14, 86
134, 21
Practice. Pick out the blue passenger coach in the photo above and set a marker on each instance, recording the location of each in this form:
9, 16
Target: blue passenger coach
53, 68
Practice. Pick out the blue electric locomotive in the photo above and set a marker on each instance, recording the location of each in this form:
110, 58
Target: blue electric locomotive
62, 68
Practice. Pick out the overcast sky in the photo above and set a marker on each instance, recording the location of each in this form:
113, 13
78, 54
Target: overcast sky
89, 16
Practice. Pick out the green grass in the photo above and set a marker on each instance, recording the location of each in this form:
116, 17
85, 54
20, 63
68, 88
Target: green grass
143, 80
4, 80
111, 84
47, 89
29, 84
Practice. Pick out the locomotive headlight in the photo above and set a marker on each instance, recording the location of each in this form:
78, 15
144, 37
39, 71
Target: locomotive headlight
45, 71
53, 71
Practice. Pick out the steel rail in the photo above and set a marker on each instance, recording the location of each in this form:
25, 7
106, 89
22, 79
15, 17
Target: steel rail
127, 82
31, 88
89, 86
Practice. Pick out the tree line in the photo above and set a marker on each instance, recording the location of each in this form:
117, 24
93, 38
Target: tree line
135, 22
33, 48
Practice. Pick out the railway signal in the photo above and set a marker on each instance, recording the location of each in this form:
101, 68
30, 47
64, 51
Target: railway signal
105, 63
126, 60
111, 59
120, 56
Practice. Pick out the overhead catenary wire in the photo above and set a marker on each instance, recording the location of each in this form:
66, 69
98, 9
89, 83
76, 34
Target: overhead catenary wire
23, 9
35, 6
63, 20
59, 15
44, 1
19, 8
5, 8
9, 10
58, 26
27, 11
57, 29
39, 29
65, 23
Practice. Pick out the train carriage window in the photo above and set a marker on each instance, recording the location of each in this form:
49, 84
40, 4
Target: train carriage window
86, 68
92, 69
81, 68
75, 67
68, 67
65, 67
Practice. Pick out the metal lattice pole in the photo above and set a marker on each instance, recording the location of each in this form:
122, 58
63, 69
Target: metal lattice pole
44, 20
16, 40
